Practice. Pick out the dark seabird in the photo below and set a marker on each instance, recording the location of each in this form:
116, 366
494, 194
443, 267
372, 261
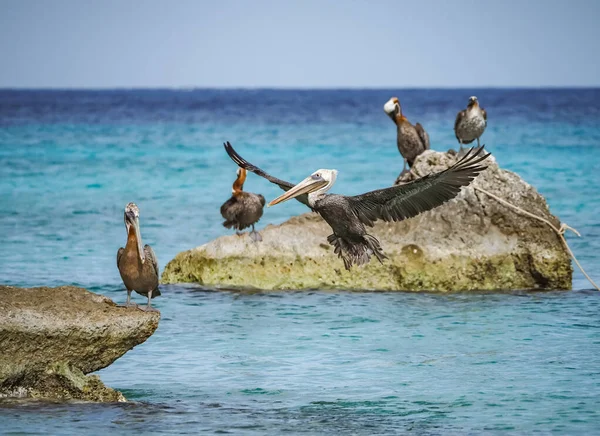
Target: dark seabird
243, 209
470, 123
138, 266
348, 216
412, 140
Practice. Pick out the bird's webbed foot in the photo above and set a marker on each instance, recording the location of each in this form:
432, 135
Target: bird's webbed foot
129, 303
404, 172
255, 236
238, 233
148, 309
461, 152
405, 169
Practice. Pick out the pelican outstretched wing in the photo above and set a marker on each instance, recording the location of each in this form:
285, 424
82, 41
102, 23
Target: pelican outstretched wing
286, 186
405, 201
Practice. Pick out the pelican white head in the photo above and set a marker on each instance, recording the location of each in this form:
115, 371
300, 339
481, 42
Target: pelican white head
316, 184
392, 106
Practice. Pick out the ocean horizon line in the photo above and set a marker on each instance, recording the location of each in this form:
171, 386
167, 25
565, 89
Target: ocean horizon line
290, 89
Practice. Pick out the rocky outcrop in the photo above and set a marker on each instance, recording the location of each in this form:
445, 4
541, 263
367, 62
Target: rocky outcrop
51, 337
470, 243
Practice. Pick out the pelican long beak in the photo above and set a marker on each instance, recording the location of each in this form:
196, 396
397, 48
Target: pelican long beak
310, 184
138, 237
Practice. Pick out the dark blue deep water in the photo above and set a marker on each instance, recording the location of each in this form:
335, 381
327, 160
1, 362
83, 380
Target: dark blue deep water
314, 362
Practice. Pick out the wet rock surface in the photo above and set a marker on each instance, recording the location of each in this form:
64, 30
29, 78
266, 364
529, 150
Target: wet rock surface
50, 338
470, 243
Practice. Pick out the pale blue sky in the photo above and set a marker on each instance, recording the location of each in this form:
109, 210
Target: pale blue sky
308, 43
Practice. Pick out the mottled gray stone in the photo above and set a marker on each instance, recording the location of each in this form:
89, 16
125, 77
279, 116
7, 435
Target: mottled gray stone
470, 243
51, 337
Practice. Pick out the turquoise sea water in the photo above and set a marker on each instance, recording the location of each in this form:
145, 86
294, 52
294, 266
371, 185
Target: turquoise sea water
315, 362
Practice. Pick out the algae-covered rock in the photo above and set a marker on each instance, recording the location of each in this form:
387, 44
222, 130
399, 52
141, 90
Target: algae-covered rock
51, 337
470, 243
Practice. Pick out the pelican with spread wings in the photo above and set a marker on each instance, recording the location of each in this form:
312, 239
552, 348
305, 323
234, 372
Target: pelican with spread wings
348, 215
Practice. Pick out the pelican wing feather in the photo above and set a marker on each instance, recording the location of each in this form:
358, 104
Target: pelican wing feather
405, 201
286, 186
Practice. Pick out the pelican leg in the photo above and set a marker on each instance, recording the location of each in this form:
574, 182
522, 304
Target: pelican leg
254, 235
461, 150
149, 307
404, 169
129, 303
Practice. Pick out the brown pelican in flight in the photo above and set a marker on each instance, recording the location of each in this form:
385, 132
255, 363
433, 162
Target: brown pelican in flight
138, 266
412, 140
470, 123
243, 209
348, 216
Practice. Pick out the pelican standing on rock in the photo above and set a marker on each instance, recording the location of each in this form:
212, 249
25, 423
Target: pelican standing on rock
470, 123
348, 216
138, 266
243, 209
412, 140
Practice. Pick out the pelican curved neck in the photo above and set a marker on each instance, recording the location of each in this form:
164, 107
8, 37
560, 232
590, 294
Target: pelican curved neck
400, 116
238, 185
134, 241
313, 197
131, 235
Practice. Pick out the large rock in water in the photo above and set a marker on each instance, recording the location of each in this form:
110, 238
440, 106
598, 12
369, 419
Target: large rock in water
51, 337
470, 243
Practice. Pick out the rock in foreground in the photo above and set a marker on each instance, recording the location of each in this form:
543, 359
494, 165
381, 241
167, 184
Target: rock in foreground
51, 337
470, 243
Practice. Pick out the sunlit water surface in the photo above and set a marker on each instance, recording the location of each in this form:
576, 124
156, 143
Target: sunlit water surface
315, 362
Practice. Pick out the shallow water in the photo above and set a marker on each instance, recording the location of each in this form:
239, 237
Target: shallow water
364, 363
315, 362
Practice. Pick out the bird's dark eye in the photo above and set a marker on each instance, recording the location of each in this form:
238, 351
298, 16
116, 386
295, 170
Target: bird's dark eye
316, 176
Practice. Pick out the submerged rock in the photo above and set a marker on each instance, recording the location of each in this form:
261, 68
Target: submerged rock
51, 337
470, 243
